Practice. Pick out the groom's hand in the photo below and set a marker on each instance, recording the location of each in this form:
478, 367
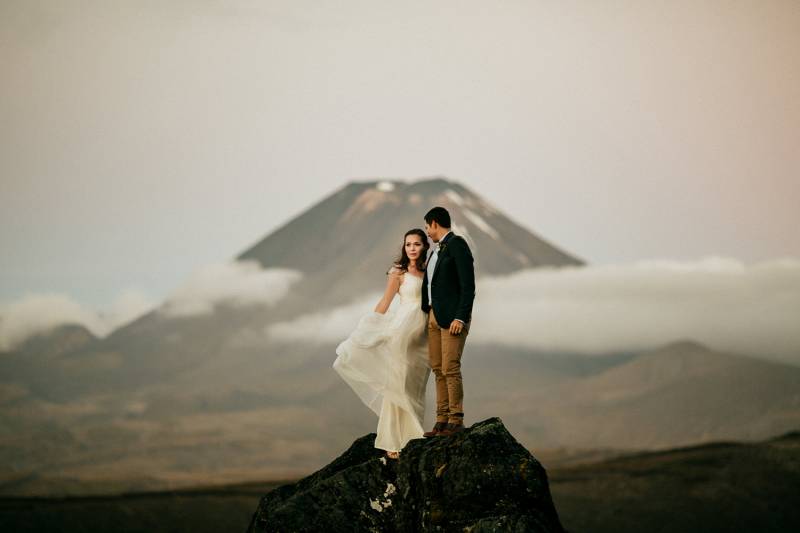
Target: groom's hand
455, 327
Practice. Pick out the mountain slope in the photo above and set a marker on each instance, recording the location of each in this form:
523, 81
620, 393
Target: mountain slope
342, 245
680, 393
346, 242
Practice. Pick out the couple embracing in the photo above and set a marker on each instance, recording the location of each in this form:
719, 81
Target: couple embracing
388, 357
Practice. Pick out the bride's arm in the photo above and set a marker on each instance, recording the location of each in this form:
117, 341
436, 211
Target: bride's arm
392, 286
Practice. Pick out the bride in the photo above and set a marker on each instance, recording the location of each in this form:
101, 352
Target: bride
385, 358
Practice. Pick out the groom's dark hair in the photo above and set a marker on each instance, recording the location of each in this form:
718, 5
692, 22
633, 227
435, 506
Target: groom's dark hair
440, 215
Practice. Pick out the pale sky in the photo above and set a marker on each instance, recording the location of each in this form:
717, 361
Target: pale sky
141, 140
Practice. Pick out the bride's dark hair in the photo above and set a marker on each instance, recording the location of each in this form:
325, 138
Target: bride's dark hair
403, 261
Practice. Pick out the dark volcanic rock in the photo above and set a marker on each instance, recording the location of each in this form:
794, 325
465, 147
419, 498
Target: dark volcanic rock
477, 481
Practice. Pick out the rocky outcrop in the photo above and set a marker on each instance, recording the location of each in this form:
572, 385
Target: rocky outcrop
479, 480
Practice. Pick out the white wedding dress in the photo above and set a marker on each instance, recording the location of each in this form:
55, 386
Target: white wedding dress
385, 361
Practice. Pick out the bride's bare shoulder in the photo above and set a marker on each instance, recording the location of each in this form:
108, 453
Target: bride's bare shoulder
397, 272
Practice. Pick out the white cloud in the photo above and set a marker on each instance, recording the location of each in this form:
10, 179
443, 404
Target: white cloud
130, 304
37, 313
753, 309
326, 326
234, 283
750, 309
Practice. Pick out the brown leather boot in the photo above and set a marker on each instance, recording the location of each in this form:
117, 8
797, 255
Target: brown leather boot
452, 429
436, 431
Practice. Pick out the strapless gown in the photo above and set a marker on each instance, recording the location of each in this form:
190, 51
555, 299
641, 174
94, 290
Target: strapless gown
385, 361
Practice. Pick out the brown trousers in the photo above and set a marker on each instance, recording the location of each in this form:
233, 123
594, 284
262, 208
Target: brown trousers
444, 352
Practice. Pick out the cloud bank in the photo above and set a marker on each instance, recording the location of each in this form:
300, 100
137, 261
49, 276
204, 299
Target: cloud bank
37, 313
721, 302
235, 283
326, 326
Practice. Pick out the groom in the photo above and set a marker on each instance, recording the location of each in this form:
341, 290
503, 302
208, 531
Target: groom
448, 290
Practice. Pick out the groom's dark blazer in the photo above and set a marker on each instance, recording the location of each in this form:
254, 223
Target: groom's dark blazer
452, 282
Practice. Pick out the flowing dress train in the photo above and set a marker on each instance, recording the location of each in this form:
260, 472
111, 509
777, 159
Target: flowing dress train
385, 362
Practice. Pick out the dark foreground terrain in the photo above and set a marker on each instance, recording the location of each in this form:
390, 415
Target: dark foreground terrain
218, 509
707, 488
